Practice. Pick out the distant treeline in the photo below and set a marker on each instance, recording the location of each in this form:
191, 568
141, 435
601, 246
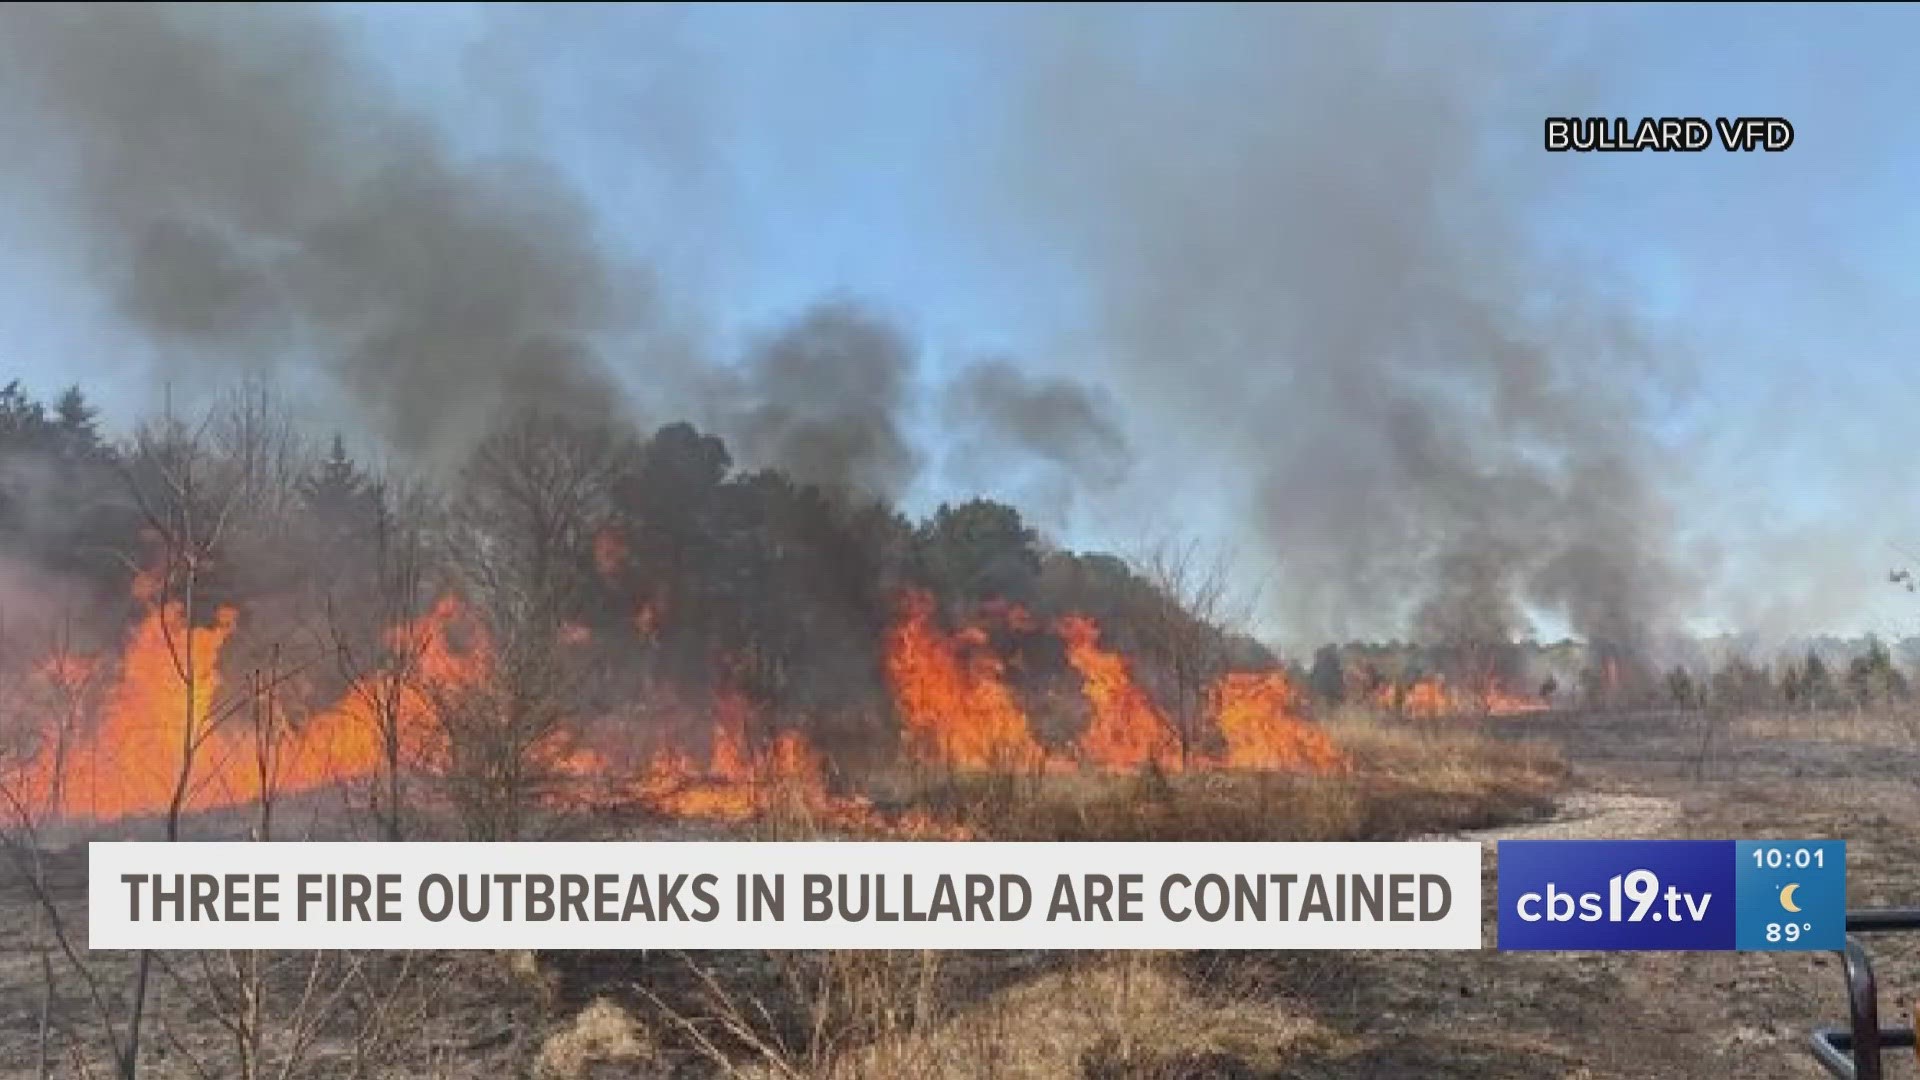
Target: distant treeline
1820, 673
687, 572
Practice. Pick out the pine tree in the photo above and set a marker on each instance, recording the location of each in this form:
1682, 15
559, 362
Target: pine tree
23, 421
76, 421
343, 499
1680, 687
1872, 678
336, 484
1816, 682
1328, 676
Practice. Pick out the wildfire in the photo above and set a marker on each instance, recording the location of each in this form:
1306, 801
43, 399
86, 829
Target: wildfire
164, 726
151, 719
957, 710
736, 781
1256, 715
429, 671
1128, 731
168, 708
1501, 702
1430, 698
955, 706
740, 784
610, 552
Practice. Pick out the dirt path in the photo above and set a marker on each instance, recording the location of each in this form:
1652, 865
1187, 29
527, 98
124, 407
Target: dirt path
1594, 815
1620, 1015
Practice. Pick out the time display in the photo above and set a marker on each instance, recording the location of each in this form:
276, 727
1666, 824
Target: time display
1791, 894
1798, 858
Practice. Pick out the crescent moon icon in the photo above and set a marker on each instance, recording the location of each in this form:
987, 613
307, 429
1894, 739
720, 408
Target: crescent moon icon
1786, 897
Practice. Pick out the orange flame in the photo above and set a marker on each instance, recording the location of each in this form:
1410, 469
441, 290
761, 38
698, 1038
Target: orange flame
737, 782
1503, 702
956, 708
1127, 731
730, 757
345, 742
740, 784
610, 552
167, 709
159, 712
1255, 714
1430, 698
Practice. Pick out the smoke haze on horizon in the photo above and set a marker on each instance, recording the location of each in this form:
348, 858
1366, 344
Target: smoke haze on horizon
1299, 282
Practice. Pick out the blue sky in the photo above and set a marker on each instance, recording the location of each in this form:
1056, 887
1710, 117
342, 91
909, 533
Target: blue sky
762, 157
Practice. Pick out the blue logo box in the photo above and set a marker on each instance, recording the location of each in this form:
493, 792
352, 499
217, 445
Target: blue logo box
1672, 895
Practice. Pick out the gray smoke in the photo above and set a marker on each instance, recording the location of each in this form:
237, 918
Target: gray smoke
1318, 322
253, 198
823, 399
1313, 291
1054, 447
1048, 419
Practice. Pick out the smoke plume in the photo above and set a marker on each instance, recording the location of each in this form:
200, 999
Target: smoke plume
1050, 419
1314, 291
253, 198
822, 399
1318, 326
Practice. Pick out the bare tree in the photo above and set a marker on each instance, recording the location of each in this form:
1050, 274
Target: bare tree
199, 489
21, 841
62, 691
273, 1007
380, 640
521, 531
1188, 628
48, 680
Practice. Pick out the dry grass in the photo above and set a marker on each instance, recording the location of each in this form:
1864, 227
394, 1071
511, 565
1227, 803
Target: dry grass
851, 1015
1892, 727
1408, 778
529, 977
604, 1040
792, 1014
1135, 1015
1130, 1015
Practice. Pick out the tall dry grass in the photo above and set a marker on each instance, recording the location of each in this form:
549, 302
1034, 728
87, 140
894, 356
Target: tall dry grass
1407, 778
1890, 725
869, 1015
916, 1016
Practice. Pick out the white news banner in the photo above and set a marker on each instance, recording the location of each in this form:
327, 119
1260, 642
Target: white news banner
814, 895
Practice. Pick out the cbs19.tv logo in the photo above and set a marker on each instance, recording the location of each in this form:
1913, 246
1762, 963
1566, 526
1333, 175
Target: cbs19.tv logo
1672, 895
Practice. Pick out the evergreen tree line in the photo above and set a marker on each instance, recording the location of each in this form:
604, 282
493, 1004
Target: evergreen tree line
1869, 679
608, 569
